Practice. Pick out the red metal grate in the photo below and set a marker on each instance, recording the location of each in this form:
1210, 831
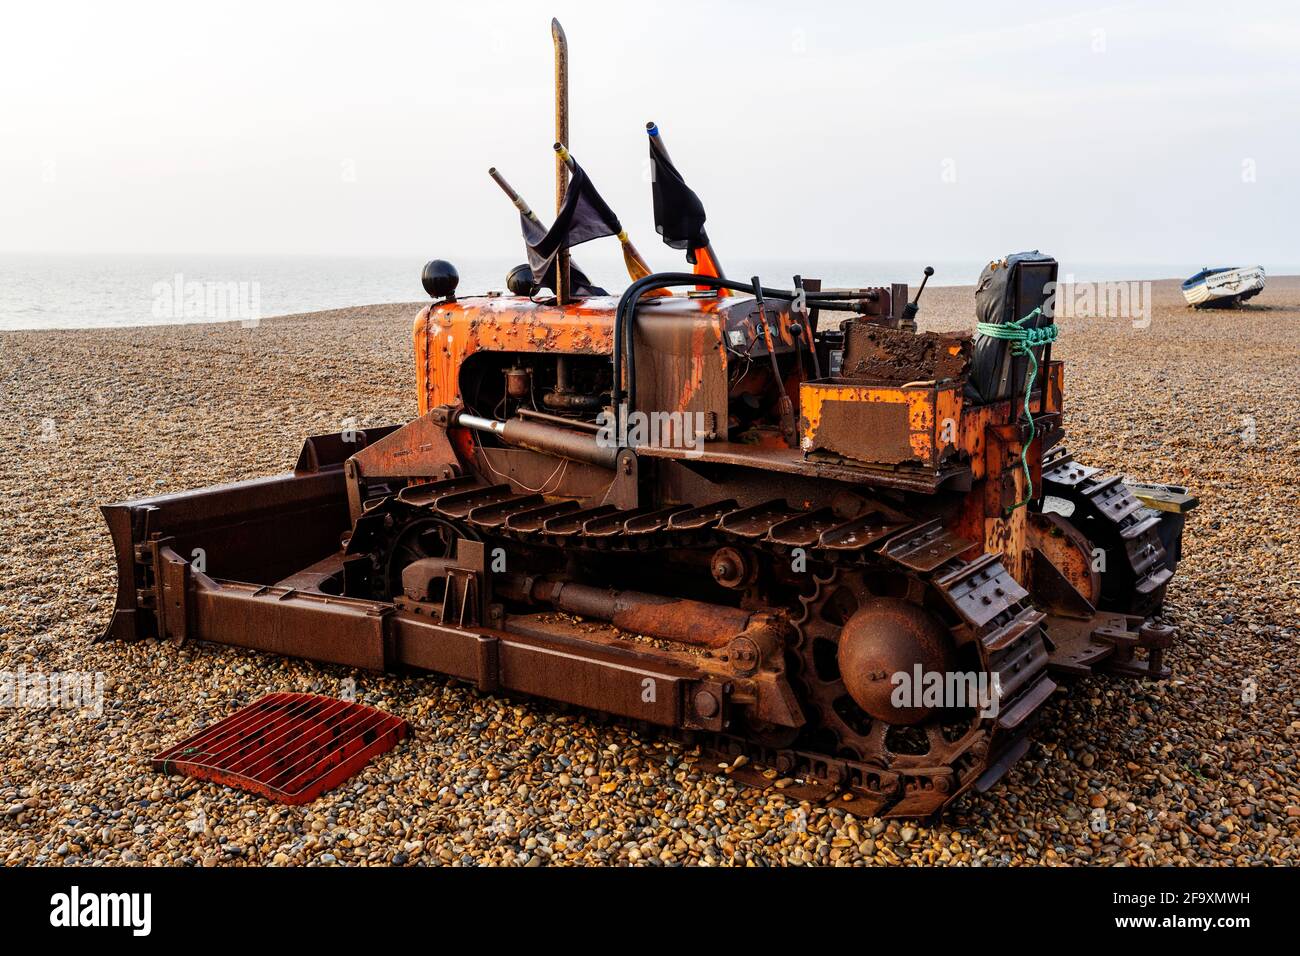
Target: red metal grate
290, 748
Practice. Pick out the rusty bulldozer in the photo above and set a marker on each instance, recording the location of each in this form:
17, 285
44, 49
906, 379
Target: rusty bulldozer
853, 552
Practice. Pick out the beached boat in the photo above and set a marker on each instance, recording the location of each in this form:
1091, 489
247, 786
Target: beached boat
1225, 286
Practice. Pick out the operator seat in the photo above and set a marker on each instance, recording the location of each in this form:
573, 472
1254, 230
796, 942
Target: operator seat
1009, 289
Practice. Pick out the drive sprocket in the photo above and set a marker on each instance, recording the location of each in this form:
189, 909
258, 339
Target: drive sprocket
947, 740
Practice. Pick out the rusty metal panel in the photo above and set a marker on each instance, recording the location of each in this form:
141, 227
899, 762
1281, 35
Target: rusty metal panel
1052, 398
682, 367
260, 530
616, 687
293, 623
424, 643
173, 603
419, 449
610, 679
881, 424
866, 430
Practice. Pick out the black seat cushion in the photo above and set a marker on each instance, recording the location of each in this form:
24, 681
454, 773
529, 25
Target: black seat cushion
1009, 289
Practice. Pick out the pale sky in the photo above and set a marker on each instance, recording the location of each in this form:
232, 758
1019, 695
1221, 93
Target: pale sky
1137, 132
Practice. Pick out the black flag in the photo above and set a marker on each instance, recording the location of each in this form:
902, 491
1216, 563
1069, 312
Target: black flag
583, 217
679, 214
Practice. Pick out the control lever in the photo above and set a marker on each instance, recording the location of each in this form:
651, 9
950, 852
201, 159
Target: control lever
787, 406
908, 320
811, 327
796, 333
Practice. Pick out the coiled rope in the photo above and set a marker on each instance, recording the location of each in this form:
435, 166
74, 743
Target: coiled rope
1023, 342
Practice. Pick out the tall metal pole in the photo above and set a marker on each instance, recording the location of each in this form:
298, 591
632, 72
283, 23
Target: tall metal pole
561, 136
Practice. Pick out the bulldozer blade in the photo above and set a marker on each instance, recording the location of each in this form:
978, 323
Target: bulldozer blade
259, 531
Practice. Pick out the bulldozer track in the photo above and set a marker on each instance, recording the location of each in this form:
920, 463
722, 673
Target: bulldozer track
987, 606
1114, 519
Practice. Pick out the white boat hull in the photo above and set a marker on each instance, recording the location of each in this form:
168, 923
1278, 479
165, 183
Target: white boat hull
1235, 284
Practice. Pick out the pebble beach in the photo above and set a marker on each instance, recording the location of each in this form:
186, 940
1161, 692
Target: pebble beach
1198, 770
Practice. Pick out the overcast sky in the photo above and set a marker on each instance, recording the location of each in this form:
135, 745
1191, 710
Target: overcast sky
1137, 132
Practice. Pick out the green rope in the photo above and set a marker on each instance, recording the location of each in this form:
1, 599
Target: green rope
1023, 342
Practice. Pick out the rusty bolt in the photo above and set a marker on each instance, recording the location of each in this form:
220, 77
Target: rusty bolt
743, 655
706, 705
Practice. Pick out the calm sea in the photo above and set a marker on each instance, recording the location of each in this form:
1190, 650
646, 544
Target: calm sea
80, 291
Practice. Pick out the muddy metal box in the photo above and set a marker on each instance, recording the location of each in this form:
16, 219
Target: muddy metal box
895, 425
